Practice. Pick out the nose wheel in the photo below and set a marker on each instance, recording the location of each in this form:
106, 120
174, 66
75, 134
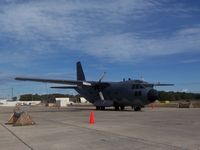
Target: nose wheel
119, 108
137, 108
122, 107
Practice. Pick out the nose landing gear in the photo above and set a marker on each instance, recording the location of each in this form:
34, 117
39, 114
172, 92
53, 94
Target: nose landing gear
136, 108
119, 107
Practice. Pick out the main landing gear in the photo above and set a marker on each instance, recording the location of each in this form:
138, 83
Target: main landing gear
116, 108
100, 107
119, 108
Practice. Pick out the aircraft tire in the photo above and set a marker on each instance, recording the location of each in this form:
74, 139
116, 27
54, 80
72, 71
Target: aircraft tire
137, 108
122, 108
97, 107
102, 107
116, 108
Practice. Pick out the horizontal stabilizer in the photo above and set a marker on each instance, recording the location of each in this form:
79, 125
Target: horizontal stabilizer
160, 84
155, 84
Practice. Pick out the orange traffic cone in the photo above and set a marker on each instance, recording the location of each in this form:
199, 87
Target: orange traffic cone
91, 117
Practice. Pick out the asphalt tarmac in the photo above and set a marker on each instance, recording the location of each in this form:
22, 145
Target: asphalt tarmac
69, 129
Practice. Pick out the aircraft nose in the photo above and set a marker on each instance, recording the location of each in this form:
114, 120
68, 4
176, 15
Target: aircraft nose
152, 95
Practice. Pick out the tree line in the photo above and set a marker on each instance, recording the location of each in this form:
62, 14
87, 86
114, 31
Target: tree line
50, 98
176, 96
163, 96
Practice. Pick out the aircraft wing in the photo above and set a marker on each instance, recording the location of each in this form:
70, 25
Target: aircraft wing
156, 84
160, 84
64, 87
100, 85
70, 82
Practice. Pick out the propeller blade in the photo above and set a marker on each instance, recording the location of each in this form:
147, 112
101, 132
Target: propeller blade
101, 95
103, 75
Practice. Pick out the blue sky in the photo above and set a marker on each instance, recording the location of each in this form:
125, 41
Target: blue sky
156, 39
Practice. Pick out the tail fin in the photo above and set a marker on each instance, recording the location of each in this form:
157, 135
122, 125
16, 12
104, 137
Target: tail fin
79, 71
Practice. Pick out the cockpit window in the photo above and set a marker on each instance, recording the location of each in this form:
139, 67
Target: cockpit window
137, 86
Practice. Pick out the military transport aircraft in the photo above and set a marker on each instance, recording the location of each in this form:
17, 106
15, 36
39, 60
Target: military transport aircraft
135, 93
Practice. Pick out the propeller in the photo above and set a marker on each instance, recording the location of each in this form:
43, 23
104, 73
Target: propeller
103, 75
98, 87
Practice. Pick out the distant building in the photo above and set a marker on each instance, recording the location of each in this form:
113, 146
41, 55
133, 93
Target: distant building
21, 103
28, 102
63, 101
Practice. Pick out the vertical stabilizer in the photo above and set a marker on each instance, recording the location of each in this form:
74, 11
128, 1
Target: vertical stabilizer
79, 71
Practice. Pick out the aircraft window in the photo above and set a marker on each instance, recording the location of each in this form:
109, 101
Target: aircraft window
141, 87
136, 93
137, 86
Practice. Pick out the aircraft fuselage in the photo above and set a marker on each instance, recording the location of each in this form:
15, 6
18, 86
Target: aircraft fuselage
125, 93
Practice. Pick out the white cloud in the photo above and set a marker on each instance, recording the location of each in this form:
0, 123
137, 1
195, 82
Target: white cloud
129, 47
89, 27
189, 61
